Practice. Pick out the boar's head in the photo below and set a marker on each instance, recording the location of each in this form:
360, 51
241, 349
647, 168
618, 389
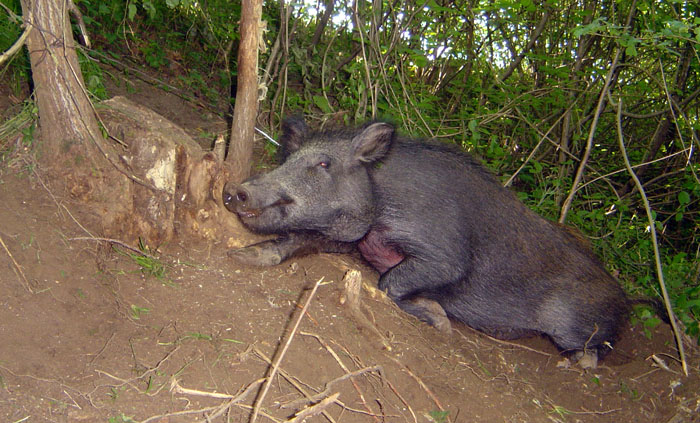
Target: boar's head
323, 185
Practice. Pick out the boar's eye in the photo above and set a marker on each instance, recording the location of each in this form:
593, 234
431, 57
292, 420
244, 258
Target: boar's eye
325, 164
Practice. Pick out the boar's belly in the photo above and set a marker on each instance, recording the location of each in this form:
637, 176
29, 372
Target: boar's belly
378, 253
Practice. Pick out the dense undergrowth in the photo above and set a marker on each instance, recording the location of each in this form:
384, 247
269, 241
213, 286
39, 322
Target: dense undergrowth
531, 89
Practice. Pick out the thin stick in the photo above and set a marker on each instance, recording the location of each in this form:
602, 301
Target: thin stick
314, 409
113, 241
20, 274
655, 242
420, 383
99, 353
408, 406
344, 367
589, 142
296, 383
330, 384
258, 403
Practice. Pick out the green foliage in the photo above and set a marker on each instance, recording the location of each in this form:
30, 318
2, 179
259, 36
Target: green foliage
148, 264
122, 418
93, 76
136, 312
471, 72
22, 121
17, 71
154, 55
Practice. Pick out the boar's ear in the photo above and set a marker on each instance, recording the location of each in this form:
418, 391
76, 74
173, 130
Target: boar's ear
294, 131
373, 142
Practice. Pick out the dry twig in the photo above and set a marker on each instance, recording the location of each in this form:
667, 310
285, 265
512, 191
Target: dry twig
113, 241
258, 402
345, 369
18, 270
314, 409
420, 383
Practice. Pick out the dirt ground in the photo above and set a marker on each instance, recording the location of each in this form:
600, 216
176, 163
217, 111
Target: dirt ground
88, 335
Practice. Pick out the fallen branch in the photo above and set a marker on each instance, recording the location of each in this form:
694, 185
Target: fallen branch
296, 384
420, 383
18, 270
217, 410
258, 402
314, 409
113, 241
330, 384
345, 369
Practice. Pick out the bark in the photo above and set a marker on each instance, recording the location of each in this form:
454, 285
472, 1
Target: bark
565, 136
158, 179
246, 109
665, 131
321, 26
66, 118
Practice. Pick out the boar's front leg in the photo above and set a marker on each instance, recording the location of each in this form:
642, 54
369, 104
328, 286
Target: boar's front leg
275, 251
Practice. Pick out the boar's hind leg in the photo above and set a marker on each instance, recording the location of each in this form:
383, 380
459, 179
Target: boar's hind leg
405, 283
272, 252
428, 311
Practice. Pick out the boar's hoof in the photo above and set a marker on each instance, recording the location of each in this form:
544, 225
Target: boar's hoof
433, 314
587, 359
256, 256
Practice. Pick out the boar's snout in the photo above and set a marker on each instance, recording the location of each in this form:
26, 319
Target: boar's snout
235, 197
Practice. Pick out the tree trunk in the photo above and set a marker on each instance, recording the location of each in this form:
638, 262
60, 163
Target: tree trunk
584, 45
246, 109
157, 180
321, 26
665, 132
67, 121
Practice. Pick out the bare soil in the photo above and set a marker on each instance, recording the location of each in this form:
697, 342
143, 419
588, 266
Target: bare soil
86, 335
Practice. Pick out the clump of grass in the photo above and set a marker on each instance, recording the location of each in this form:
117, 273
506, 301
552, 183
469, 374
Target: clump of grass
24, 123
137, 312
147, 261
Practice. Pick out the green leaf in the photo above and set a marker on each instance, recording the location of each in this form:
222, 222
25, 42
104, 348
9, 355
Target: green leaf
322, 103
591, 28
683, 198
419, 60
651, 322
132, 11
149, 8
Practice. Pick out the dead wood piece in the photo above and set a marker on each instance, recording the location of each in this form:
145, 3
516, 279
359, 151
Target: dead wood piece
278, 360
330, 385
20, 274
314, 409
351, 297
353, 286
